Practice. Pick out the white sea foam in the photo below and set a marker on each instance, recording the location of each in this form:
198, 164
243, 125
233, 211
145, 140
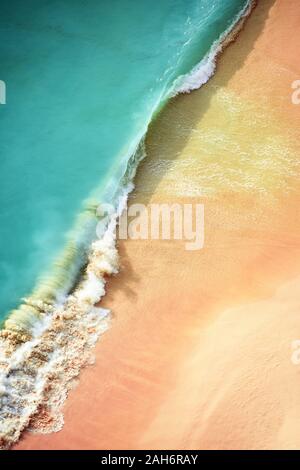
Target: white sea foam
36, 373
205, 69
41, 356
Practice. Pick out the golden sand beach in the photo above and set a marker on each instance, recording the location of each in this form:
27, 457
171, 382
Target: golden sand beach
199, 350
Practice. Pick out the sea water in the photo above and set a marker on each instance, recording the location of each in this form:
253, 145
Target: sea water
83, 80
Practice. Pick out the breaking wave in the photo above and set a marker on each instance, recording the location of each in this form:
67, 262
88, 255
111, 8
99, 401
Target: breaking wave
50, 337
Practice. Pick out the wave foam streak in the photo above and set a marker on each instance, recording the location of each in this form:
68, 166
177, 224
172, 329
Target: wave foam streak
43, 346
50, 337
36, 374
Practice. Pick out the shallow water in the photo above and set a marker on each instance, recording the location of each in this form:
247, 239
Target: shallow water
83, 81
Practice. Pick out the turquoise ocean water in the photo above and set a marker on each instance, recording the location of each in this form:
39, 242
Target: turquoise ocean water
83, 80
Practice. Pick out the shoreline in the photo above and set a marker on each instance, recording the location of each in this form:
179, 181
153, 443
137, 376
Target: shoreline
67, 319
18, 323
200, 348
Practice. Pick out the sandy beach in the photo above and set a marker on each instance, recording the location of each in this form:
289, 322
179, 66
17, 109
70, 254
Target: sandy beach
199, 350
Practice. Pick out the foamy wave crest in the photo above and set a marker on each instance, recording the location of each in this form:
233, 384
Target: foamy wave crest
43, 346
203, 71
50, 337
36, 373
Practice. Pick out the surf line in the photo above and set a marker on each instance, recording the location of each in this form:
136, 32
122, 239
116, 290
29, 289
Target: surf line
41, 351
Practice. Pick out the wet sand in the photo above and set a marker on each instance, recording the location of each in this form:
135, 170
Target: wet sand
199, 351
